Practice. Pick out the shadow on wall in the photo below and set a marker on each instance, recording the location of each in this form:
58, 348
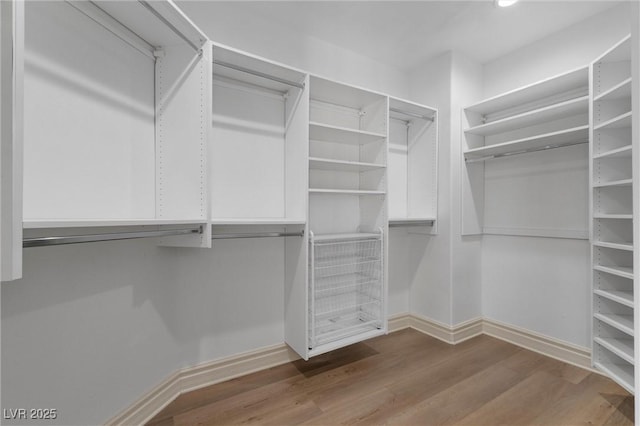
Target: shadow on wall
127, 314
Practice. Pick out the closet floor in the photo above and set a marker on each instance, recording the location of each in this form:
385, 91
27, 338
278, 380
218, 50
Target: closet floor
409, 378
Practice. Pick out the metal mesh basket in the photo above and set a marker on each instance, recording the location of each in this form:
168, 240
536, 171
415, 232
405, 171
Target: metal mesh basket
346, 282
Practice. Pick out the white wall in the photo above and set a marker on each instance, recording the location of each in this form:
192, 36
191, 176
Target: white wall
447, 286
430, 84
297, 50
543, 284
466, 88
571, 48
90, 328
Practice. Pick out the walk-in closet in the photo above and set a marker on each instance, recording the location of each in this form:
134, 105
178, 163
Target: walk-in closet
283, 212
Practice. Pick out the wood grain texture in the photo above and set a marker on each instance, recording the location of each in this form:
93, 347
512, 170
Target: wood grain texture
408, 378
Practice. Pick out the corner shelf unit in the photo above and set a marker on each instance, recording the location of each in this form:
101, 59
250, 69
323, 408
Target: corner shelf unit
613, 180
550, 114
110, 138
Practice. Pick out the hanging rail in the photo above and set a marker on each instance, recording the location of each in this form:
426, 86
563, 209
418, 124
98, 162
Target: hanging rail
92, 238
257, 235
523, 151
169, 25
259, 74
411, 114
417, 222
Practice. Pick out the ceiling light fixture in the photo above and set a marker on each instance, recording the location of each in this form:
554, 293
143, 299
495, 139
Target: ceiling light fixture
505, 3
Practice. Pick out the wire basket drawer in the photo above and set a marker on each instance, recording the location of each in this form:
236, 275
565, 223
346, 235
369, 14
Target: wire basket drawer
346, 288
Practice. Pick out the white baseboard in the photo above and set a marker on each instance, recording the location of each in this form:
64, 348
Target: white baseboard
210, 373
199, 376
545, 345
456, 334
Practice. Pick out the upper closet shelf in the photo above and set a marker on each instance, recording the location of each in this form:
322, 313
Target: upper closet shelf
255, 71
619, 91
575, 82
618, 53
342, 166
144, 25
328, 133
573, 136
621, 121
548, 113
624, 151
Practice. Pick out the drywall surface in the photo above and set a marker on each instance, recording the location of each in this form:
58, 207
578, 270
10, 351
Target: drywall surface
543, 284
400, 271
569, 49
91, 328
540, 284
431, 255
294, 49
466, 287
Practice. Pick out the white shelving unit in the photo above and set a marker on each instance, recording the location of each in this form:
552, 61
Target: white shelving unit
550, 114
111, 139
258, 149
336, 292
412, 164
612, 186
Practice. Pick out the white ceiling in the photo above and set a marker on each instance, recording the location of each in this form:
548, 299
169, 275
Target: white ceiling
405, 33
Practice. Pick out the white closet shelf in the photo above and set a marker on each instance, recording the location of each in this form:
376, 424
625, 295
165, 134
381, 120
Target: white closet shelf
617, 246
573, 80
169, 25
559, 138
336, 134
621, 347
95, 223
257, 221
549, 113
612, 216
618, 53
621, 90
622, 374
620, 271
346, 236
618, 122
621, 152
345, 191
623, 297
623, 323
316, 163
615, 183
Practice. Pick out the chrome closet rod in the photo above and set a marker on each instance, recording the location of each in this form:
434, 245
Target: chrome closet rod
524, 151
258, 74
411, 223
411, 114
169, 25
92, 238
256, 235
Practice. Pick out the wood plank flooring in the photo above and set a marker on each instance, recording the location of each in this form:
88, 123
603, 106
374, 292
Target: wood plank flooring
408, 378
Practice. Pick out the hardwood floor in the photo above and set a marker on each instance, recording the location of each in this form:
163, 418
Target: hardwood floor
408, 378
